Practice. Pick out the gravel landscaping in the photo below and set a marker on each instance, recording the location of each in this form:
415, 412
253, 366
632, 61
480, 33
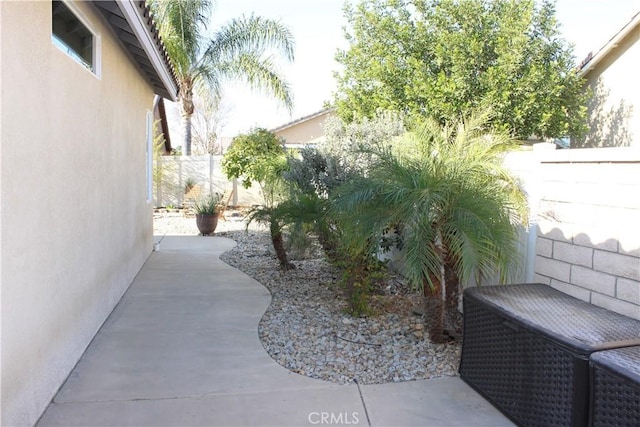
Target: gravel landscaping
306, 330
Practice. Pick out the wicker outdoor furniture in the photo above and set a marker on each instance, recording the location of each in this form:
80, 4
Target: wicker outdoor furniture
526, 349
615, 387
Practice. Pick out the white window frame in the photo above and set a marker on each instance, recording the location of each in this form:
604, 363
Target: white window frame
96, 49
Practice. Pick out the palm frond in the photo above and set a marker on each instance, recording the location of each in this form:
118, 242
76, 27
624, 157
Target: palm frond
260, 74
446, 187
182, 25
253, 34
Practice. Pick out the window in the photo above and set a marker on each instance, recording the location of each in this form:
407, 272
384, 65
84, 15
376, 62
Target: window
72, 36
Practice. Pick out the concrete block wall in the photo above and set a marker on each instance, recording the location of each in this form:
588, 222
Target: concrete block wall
588, 220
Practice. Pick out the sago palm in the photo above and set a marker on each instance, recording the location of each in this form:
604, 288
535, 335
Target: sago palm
453, 205
240, 49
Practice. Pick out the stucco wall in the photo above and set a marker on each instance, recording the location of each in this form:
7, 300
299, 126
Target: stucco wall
586, 208
614, 110
76, 227
307, 131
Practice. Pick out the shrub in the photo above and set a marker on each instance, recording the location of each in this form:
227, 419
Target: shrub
208, 205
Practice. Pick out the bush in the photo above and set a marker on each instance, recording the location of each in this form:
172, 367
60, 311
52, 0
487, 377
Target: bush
360, 275
313, 179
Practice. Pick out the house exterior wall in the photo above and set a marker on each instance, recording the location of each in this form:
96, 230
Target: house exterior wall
586, 210
76, 227
614, 110
305, 132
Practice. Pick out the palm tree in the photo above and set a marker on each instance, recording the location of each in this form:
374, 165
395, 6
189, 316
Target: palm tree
273, 216
240, 49
453, 205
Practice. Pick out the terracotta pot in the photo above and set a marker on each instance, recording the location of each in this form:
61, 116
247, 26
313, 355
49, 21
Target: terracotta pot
207, 223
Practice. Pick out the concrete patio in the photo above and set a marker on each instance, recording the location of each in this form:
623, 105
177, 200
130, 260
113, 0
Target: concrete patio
182, 348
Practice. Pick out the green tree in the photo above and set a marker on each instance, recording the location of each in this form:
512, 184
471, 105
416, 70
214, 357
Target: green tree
450, 201
240, 49
259, 157
444, 58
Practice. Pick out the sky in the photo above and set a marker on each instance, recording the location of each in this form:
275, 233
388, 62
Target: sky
317, 26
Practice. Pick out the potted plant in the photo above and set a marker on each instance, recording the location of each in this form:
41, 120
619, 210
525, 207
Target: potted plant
207, 210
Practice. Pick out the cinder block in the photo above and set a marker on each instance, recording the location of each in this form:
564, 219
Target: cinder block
619, 216
593, 280
630, 239
617, 173
576, 213
618, 195
541, 279
628, 290
603, 194
617, 264
592, 194
544, 247
552, 268
603, 237
575, 172
560, 191
617, 305
554, 230
573, 254
569, 289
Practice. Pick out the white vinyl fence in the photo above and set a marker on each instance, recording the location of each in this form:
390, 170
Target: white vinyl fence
173, 172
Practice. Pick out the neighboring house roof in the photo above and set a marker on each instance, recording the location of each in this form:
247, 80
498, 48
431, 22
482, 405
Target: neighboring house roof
301, 120
590, 62
133, 24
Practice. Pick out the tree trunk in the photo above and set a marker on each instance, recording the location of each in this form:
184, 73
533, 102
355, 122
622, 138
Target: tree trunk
186, 100
439, 298
453, 320
446, 325
278, 244
186, 143
434, 306
453, 287
329, 246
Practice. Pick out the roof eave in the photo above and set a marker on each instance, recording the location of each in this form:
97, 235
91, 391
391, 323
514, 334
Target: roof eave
302, 120
610, 45
132, 14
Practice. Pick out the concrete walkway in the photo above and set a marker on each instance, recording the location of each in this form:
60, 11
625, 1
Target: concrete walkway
182, 348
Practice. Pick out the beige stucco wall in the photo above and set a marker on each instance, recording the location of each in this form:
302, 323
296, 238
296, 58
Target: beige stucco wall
76, 227
614, 111
308, 131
